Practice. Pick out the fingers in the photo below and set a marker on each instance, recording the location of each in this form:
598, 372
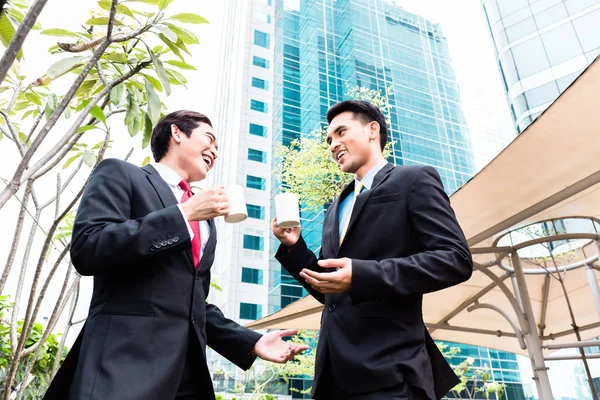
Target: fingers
332, 263
287, 332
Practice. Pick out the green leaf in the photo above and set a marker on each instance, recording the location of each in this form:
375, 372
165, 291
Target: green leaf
101, 21
146, 161
89, 158
180, 64
51, 104
63, 66
160, 71
22, 137
113, 56
34, 98
189, 18
154, 103
7, 31
183, 47
153, 2
27, 114
59, 32
71, 159
172, 36
97, 113
116, 94
147, 131
121, 8
155, 82
183, 34
162, 4
172, 46
86, 128
132, 115
177, 76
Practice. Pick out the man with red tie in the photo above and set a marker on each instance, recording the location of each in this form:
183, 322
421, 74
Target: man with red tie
149, 243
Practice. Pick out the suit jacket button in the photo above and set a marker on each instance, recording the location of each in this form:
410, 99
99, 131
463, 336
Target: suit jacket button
332, 308
157, 245
176, 239
170, 241
163, 243
152, 248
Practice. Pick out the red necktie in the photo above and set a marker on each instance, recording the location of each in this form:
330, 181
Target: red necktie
196, 242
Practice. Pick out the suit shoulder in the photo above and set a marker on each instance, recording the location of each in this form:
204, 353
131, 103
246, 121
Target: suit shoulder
415, 170
115, 164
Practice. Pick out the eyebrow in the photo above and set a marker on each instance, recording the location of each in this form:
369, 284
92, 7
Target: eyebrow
336, 130
213, 138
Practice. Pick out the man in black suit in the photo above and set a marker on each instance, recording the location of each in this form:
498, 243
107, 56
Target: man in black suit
390, 237
149, 243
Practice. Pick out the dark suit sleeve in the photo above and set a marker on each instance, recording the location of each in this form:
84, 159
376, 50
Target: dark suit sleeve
104, 236
444, 261
228, 338
298, 257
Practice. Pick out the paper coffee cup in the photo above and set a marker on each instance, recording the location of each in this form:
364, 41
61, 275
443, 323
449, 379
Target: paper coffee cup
287, 210
237, 204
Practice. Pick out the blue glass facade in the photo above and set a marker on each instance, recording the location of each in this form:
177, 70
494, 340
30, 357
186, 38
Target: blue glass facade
326, 47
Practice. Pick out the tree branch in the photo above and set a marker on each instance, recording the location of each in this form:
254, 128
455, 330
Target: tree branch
17, 236
34, 127
79, 47
70, 323
64, 186
101, 73
15, 45
64, 140
11, 128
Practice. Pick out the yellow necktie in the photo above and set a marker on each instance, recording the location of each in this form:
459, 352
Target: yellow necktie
358, 187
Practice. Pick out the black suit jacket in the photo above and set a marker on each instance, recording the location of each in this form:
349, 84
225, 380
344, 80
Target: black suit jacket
404, 241
131, 237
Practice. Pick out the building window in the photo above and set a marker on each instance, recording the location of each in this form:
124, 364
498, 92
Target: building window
254, 182
257, 155
252, 275
260, 62
258, 130
252, 242
262, 39
250, 311
254, 211
260, 83
258, 106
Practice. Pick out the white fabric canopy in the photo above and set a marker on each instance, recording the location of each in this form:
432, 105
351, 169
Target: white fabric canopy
552, 170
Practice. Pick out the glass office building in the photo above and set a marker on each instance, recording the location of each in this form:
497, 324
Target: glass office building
541, 46
324, 47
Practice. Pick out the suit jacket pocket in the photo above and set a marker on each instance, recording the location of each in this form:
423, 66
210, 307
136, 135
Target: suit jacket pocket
385, 198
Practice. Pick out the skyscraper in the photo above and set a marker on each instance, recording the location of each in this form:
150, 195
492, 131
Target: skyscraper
541, 46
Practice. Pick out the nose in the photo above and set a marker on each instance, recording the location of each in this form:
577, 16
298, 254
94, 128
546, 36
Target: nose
214, 152
333, 146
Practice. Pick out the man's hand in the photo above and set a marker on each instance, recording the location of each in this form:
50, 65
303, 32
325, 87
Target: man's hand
272, 347
206, 204
288, 237
339, 281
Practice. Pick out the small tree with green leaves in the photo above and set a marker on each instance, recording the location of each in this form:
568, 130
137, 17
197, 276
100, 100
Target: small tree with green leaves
122, 60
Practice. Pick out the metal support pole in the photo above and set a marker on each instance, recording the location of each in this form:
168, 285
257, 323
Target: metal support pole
532, 338
591, 277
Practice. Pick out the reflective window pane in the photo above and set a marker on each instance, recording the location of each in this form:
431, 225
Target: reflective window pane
517, 16
551, 15
491, 9
587, 30
542, 94
541, 5
561, 44
565, 81
530, 57
521, 29
574, 6
508, 68
508, 7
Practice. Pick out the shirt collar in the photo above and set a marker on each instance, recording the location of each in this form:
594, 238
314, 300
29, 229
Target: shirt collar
367, 180
167, 174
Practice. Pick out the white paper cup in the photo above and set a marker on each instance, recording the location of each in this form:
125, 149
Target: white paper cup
287, 210
237, 204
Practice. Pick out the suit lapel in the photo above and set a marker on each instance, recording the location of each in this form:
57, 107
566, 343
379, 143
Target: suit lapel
362, 198
210, 246
166, 197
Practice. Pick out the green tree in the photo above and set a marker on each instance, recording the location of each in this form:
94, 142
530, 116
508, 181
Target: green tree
122, 61
473, 380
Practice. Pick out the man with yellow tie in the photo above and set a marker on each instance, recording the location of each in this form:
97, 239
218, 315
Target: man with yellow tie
390, 237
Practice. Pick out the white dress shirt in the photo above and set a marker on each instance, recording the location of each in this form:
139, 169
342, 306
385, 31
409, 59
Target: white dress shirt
173, 179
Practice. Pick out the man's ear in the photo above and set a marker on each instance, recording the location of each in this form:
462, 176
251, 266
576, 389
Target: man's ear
374, 128
175, 133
